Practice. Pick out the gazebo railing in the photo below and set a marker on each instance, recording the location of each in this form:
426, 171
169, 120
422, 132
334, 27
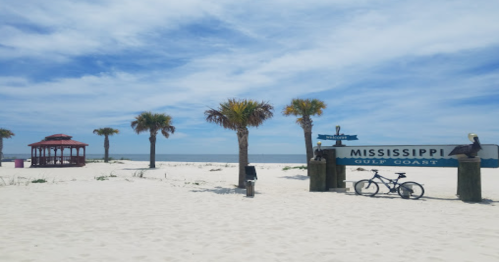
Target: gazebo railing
56, 161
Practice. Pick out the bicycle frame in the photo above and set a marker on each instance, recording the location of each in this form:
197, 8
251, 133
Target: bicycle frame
382, 179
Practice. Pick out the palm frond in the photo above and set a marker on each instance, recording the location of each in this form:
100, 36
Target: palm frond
5, 133
304, 108
149, 122
259, 113
218, 117
235, 114
106, 131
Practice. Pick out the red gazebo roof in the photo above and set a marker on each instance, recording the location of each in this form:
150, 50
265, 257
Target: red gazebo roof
61, 136
58, 140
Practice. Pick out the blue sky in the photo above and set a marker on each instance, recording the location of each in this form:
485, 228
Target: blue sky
391, 72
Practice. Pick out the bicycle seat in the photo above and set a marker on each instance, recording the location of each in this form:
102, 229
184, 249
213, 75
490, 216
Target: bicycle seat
375, 170
401, 175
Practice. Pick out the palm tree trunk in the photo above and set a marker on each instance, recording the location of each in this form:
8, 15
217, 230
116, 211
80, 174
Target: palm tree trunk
242, 138
1, 150
308, 144
152, 154
307, 132
106, 149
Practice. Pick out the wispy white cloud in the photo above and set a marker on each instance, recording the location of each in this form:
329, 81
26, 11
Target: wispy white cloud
64, 29
390, 71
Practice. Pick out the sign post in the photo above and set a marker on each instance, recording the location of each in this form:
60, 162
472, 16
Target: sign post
335, 173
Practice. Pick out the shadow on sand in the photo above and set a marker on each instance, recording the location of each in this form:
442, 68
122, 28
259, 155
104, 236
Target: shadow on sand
485, 201
297, 177
222, 190
139, 168
379, 195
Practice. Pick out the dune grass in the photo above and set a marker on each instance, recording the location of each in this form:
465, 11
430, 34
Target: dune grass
294, 167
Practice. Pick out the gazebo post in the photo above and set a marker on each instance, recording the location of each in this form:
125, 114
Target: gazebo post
44, 154
62, 155
39, 159
31, 157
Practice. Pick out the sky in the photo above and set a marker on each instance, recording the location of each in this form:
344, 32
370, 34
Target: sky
422, 72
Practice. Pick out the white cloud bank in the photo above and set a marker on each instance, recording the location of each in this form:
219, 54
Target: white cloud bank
390, 71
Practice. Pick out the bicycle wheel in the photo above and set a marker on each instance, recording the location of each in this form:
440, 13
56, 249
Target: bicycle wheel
410, 190
366, 187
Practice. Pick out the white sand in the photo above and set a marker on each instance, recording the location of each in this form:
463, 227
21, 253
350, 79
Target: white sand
185, 212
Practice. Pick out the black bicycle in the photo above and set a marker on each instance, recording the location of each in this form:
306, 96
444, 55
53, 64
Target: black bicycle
407, 190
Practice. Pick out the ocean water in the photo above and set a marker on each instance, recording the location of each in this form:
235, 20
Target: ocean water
218, 158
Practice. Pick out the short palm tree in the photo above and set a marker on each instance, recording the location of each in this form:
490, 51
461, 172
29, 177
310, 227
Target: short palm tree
106, 132
305, 108
153, 123
4, 133
237, 115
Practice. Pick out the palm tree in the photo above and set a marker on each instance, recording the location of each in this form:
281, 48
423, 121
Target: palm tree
305, 108
106, 132
153, 123
237, 115
4, 133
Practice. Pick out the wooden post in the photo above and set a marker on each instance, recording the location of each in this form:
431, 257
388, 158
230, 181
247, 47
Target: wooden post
340, 177
335, 174
469, 186
330, 168
250, 188
317, 175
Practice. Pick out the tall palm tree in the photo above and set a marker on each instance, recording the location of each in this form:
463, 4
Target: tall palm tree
106, 132
237, 115
305, 108
153, 123
4, 133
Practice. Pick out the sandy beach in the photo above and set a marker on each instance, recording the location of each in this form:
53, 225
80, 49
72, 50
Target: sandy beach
193, 212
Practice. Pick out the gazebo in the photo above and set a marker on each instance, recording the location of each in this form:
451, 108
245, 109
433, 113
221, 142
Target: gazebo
41, 152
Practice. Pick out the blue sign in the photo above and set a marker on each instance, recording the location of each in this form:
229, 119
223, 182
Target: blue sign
337, 137
410, 155
419, 162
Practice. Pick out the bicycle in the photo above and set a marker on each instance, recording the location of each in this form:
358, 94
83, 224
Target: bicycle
406, 190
